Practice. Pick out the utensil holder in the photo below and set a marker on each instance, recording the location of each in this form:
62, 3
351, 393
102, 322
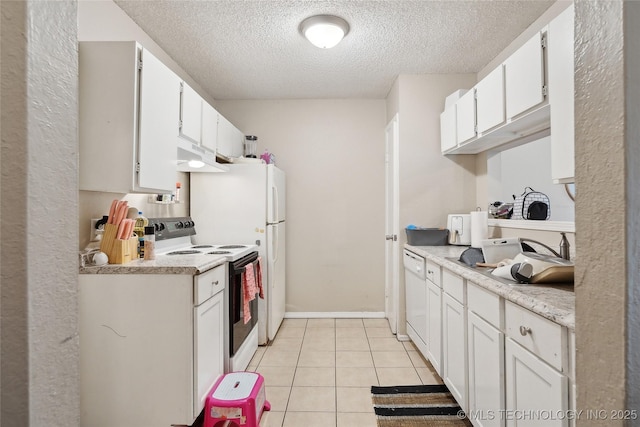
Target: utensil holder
124, 251
119, 251
108, 237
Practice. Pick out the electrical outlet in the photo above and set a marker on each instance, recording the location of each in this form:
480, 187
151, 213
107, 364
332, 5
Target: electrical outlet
93, 233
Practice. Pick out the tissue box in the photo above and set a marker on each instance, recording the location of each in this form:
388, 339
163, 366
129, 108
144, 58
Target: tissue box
427, 236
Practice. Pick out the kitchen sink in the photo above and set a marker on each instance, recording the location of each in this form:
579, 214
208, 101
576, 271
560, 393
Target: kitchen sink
486, 271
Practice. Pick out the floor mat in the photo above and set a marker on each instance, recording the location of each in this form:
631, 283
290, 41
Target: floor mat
416, 406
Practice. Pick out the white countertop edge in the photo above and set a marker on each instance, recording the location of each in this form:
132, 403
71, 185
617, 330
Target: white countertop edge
547, 301
155, 267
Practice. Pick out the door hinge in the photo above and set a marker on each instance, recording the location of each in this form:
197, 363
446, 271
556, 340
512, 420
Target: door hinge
180, 124
543, 40
393, 237
137, 166
545, 92
140, 64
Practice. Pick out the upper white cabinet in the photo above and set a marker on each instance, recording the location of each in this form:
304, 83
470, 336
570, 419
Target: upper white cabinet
510, 106
466, 117
209, 127
490, 104
524, 77
129, 105
190, 114
448, 137
561, 94
230, 139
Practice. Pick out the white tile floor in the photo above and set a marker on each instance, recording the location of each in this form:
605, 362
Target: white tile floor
319, 372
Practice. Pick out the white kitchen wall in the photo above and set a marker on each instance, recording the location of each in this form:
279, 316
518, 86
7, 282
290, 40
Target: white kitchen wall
527, 165
431, 185
333, 154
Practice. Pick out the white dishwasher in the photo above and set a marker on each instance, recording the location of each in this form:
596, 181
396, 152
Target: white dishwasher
416, 299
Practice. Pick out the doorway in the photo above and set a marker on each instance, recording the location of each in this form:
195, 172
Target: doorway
392, 262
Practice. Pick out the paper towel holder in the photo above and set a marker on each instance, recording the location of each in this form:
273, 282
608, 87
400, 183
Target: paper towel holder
479, 227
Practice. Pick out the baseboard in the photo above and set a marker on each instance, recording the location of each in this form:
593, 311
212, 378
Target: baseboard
403, 337
334, 315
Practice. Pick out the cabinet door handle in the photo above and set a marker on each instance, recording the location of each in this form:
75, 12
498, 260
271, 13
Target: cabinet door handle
524, 330
216, 283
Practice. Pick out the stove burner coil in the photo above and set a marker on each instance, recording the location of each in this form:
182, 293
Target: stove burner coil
185, 252
218, 252
232, 247
201, 246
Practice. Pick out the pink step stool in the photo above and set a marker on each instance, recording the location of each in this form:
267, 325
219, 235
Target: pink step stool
237, 398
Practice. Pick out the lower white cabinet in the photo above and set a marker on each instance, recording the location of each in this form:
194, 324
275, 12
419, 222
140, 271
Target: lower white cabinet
434, 326
505, 365
151, 346
533, 388
486, 372
454, 348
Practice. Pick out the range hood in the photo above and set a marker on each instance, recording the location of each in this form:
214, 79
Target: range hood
193, 158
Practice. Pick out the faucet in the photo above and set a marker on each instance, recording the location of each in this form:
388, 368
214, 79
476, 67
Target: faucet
564, 246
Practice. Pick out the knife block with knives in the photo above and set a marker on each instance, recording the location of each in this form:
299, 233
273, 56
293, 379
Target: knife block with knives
118, 241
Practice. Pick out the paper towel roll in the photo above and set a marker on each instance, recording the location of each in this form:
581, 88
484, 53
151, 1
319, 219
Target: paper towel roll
479, 228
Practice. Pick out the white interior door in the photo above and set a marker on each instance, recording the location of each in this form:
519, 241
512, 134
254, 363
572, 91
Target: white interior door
392, 254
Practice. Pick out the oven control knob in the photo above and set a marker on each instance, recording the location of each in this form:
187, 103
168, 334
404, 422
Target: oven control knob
160, 226
179, 224
188, 224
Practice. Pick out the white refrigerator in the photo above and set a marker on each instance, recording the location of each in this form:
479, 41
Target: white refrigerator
246, 205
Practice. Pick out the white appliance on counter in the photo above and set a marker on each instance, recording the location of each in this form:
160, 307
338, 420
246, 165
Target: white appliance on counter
247, 205
459, 226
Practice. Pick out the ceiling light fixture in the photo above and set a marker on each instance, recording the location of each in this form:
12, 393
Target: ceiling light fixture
324, 31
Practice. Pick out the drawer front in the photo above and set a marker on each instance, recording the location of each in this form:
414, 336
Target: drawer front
433, 273
414, 263
485, 304
209, 283
542, 337
453, 285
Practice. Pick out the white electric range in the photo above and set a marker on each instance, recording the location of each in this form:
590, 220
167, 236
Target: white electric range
173, 242
174, 238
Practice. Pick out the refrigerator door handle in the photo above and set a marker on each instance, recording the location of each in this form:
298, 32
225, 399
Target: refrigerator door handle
274, 245
274, 205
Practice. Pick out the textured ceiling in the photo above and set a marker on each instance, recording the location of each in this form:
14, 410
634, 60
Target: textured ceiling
252, 49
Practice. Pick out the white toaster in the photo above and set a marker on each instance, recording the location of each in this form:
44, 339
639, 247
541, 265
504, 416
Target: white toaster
459, 226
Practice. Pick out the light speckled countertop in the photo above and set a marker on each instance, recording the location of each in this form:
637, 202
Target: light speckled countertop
554, 302
184, 264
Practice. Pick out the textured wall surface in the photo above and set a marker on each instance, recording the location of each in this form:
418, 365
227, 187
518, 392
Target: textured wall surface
39, 360
601, 279
632, 155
